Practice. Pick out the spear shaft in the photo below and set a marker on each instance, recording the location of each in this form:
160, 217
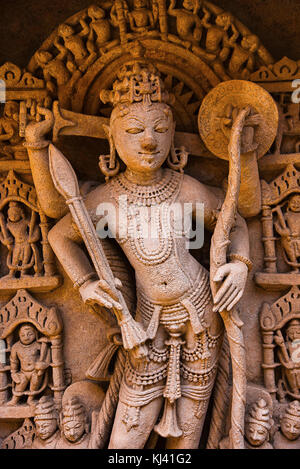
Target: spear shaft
66, 183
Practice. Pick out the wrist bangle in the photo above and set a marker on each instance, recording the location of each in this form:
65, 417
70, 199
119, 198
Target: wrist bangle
82, 280
243, 259
37, 145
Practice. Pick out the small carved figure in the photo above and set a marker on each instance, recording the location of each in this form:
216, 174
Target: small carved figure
257, 427
141, 18
289, 356
20, 235
9, 131
242, 60
54, 68
188, 23
218, 42
288, 435
74, 424
29, 361
100, 27
46, 419
288, 227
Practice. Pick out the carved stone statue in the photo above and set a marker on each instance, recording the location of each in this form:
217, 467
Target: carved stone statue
288, 227
10, 140
20, 234
29, 360
141, 18
74, 426
46, 420
288, 435
289, 356
173, 344
258, 423
189, 25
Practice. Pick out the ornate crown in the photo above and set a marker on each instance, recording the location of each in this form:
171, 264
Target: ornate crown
139, 82
260, 414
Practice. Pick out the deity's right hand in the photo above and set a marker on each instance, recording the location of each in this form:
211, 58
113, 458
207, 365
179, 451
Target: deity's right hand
36, 130
99, 292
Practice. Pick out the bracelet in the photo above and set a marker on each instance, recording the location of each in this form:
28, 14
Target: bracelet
243, 259
84, 279
37, 145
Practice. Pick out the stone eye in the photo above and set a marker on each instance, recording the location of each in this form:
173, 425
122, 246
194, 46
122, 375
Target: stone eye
161, 129
135, 130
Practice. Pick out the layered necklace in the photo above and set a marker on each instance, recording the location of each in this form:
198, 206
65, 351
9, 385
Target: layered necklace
140, 200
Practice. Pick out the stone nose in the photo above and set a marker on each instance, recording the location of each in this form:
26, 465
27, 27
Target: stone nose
148, 142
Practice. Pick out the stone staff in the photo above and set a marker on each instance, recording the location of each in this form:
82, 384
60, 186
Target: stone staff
65, 181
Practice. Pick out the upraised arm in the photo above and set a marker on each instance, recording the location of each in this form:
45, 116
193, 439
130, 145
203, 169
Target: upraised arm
51, 201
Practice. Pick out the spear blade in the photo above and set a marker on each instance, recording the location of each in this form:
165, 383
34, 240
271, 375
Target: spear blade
63, 175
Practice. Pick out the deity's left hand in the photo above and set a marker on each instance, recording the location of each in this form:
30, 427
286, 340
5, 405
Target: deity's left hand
234, 276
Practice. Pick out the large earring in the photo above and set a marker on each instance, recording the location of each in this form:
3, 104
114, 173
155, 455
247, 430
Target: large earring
108, 164
177, 158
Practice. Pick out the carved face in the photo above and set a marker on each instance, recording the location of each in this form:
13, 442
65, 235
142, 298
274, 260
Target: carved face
255, 434
96, 13
73, 429
45, 428
223, 20
189, 4
140, 4
250, 42
143, 136
27, 334
65, 30
15, 213
294, 203
293, 331
290, 428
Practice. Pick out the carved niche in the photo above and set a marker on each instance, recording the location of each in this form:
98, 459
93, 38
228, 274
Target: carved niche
32, 360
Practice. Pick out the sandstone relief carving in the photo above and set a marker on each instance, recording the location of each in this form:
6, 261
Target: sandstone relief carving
32, 360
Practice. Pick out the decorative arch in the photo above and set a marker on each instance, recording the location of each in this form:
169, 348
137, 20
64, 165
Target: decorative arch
84, 55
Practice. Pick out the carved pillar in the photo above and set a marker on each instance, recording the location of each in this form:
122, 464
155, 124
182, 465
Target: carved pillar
163, 19
268, 363
3, 375
48, 256
57, 368
268, 239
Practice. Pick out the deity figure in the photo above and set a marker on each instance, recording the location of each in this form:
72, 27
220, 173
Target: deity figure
20, 234
188, 23
257, 427
141, 18
46, 420
218, 41
288, 227
183, 331
9, 130
29, 361
242, 61
74, 426
100, 28
53, 68
287, 437
74, 46
289, 353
